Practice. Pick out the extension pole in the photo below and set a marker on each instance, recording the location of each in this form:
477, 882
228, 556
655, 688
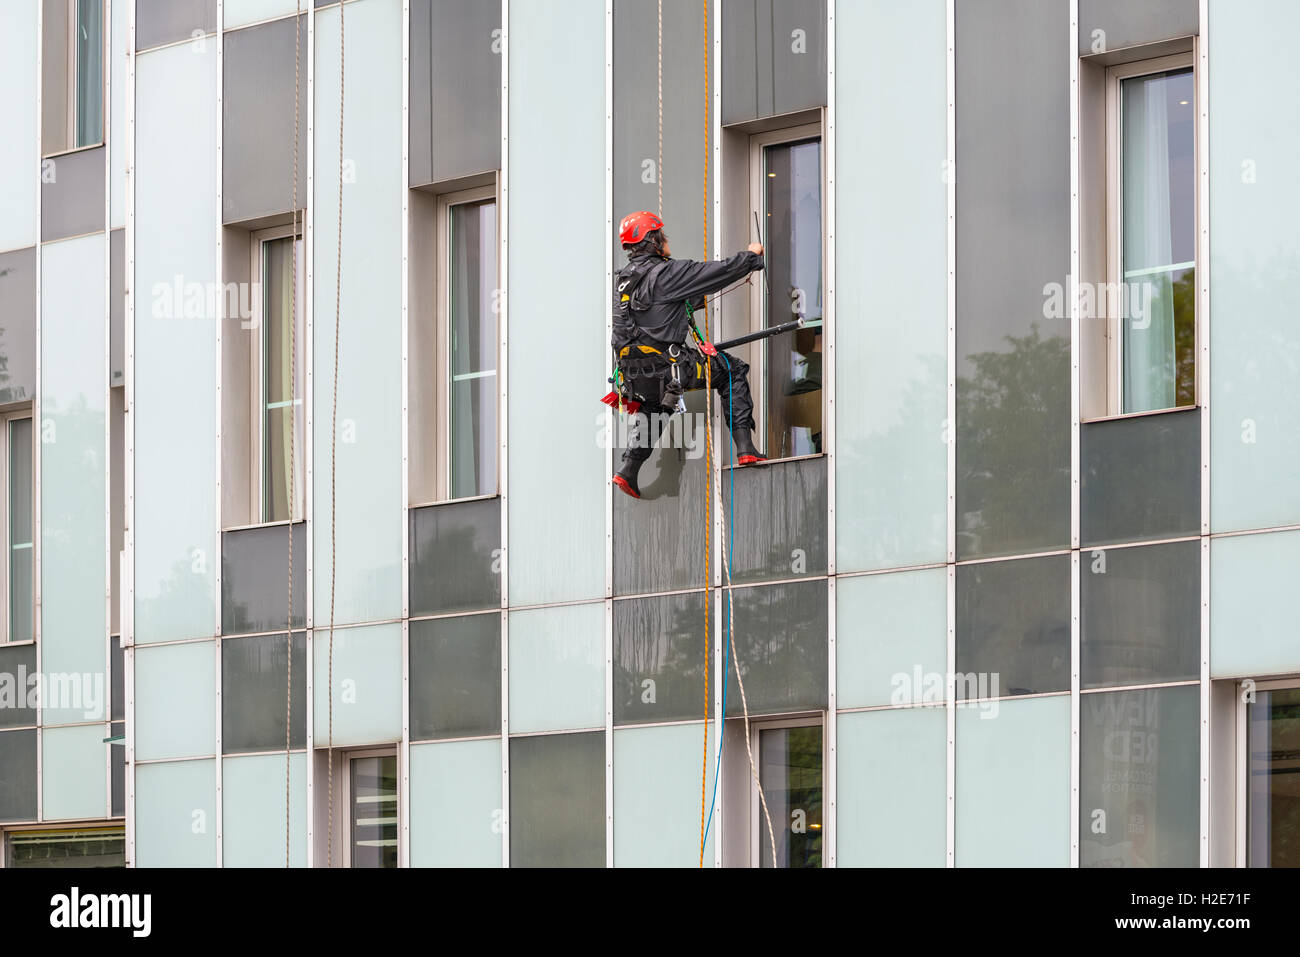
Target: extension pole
761, 334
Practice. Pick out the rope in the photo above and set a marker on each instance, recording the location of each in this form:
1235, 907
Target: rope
334, 433
708, 444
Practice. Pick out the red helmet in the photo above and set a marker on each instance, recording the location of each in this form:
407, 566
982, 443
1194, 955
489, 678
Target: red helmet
637, 226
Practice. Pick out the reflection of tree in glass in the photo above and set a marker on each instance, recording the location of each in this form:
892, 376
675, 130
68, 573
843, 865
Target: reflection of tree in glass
1185, 338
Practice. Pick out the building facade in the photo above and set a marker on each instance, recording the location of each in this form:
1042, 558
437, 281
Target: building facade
312, 554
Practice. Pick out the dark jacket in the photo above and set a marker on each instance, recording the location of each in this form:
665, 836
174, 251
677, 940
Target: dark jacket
660, 288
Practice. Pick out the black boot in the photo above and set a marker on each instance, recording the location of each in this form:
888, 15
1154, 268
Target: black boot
746, 454
625, 477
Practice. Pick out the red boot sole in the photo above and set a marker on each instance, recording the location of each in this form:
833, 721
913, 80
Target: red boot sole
750, 459
621, 482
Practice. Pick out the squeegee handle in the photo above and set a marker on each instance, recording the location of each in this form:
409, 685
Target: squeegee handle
761, 334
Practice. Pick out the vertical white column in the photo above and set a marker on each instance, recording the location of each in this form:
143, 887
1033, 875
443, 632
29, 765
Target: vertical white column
503, 232
109, 135
309, 440
609, 431
1075, 399
829, 832
216, 512
950, 693
127, 575
404, 800
1203, 375
37, 430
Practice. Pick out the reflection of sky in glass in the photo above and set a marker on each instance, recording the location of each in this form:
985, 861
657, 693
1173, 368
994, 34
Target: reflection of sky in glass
1159, 170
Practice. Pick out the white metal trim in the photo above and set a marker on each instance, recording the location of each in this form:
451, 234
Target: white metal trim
715, 160
127, 583
404, 760
218, 320
503, 265
1202, 67
107, 59
309, 444
829, 161
1075, 436
609, 431
37, 423
950, 692
1242, 768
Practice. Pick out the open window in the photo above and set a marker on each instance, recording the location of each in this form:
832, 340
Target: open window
790, 760
16, 563
1269, 772
786, 175
366, 803
72, 57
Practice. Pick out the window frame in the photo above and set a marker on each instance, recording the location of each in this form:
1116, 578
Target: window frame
7, 417
442, 462
257, 380
1114, 225
8, 832
345, 825
1241, 856
758, 295
757, 822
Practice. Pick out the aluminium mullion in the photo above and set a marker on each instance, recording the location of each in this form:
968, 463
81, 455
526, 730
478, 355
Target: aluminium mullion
503, 267
829, 830
1075, 437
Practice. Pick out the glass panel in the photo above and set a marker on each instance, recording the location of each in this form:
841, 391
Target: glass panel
781, 644
1026, 825
659, 658
1140, 478
472, 350
659, 538
20, 158
892, 766
1141, 614
1139, 761
252, 810
557, 475
791, 542
278, 300
367, 685
117, 762
73, 762
456, 804
92, 848
557, 668
165, 21
18, 686
790, 767
175, 814
1252, 605
656, 789
891, 638
793, 252
175, 701
455, 677
20, 529
456, 557
88, 41
254, 579
117, 678
1273, 803
1013, 627
1158, 247
557, 800
367, 546
253, 693
18, 784
373, 824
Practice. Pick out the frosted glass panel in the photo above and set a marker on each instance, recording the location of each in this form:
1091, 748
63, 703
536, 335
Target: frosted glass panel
556, 497
1255, 251
369, 470
252, 811
657, 797
889, 422
892, 788
1013, 784
175, 701
73, 772
176, 551
367, 685
557, 668
455, 804
73, 473
891, 638
175, 814
1252, 605
238, 13
20, 158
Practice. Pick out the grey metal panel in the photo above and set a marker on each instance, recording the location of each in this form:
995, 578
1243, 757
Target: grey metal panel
790, 540
117, 755
1013, 624
1124, 23
18, 783
257, 121
557, 789
659, 658
253, 693
116, 305
1141, 614
1013, 233
72, 200
17, 665
18, 325
780, 633
454, 557
1140, 478
455, 668
255, 578
773, 57
455, 69
117, 678
166, 21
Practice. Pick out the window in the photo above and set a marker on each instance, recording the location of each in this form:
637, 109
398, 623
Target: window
789, 759
16, 464
786, 180
1151, 237
98, 847
272, 343
372, 821
73, 74
1273, 777
466, 346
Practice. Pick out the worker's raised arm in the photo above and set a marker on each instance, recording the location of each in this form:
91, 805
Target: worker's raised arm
687, 279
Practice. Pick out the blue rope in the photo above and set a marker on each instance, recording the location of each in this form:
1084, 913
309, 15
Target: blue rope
726, 622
